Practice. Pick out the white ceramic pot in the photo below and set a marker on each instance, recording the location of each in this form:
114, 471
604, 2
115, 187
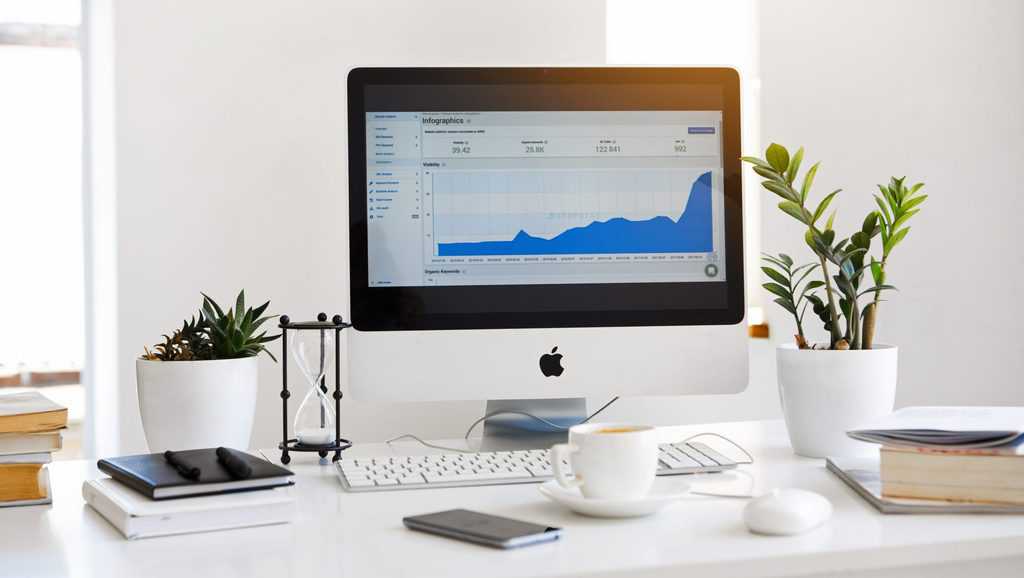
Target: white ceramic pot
197, 404
824, 393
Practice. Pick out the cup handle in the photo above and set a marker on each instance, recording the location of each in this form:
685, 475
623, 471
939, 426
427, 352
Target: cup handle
558, 453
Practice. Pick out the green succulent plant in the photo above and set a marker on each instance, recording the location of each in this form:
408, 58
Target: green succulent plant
186, 344
843, 290
216, 334
233, 334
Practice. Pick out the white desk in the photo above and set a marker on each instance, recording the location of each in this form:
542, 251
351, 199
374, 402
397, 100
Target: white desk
349, 535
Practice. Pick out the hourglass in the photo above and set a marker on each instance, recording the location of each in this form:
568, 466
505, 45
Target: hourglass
314, 347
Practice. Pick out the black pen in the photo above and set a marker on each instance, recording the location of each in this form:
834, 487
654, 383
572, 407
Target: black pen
186, 471
234, 464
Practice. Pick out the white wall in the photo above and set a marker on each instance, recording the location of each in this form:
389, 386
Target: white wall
232, 162
721, 33
932, 90
231, 165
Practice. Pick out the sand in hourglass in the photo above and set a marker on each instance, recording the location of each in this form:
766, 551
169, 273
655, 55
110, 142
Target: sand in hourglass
315, 436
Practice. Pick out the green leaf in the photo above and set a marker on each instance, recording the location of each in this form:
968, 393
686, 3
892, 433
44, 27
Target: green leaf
859, 239
794, 210
778, 157
786, 304
256, 324
876, 289
886, 218
876, 272
776, 262
245, 324
778, 290
756, 162
781, 189
831, 221
829, 235
895, 239
913, 190
870, 225
776, 276
794, 165
768, 173
890, 197
240, 303
904, 218
259, 310
808, 180
786, 259
911, 203
206, 298
823, 205
812, 285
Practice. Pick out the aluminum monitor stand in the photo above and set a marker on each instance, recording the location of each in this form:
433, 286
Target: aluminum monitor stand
519, 432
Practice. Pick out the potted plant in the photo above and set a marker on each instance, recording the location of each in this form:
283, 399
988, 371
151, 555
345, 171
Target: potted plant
827, 388
197, 389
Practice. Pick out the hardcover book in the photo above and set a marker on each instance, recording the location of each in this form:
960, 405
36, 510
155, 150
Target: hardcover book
151, 475
30, 412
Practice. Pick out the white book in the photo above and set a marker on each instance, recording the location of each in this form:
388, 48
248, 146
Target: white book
37, 458
30, 443
44, 482
946, 427
137, 516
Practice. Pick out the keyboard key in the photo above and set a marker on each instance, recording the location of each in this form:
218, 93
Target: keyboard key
360, 483
717, 457
697, 456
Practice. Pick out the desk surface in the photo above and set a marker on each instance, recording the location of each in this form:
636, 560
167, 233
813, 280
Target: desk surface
341, 534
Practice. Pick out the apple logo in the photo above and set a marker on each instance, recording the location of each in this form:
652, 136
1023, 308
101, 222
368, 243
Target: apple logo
551, 363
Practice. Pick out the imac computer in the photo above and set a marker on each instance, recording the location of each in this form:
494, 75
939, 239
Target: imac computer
532, 236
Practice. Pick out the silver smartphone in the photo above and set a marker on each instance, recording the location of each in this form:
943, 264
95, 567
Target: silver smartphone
479, 528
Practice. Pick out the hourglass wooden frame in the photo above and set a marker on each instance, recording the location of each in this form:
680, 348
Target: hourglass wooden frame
336, 324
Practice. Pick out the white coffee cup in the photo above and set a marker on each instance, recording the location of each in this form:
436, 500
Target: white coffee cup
608, 460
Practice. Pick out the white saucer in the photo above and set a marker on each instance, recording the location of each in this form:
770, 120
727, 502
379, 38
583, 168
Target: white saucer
645, 506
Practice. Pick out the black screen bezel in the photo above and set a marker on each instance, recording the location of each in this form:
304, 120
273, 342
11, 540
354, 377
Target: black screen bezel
551, 306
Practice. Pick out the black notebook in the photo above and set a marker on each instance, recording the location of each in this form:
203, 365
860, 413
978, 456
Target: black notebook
150, 474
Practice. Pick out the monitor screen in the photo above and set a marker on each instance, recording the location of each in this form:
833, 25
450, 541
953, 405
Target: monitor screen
507, 198
544, 197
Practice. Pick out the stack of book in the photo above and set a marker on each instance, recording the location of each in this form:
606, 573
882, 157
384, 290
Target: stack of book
190, 491
30, 430
950, 456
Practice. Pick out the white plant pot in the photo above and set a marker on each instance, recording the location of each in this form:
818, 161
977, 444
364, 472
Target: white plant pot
824, 393
197, 404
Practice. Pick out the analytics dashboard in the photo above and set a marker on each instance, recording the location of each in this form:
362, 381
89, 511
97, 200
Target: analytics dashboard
544, 197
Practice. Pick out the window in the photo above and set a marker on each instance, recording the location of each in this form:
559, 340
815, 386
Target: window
41, 260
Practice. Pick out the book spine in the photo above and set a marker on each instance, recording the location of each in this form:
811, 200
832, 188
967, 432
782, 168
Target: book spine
106, 507
996, 496
125, 478
952, 470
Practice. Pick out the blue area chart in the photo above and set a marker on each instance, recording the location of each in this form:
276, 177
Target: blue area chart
690, 233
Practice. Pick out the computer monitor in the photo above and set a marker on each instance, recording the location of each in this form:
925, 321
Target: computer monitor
545, 233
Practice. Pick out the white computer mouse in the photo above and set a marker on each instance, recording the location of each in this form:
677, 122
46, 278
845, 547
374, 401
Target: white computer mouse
784, 512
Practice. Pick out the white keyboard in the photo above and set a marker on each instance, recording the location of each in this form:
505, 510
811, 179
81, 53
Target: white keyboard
446, 470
